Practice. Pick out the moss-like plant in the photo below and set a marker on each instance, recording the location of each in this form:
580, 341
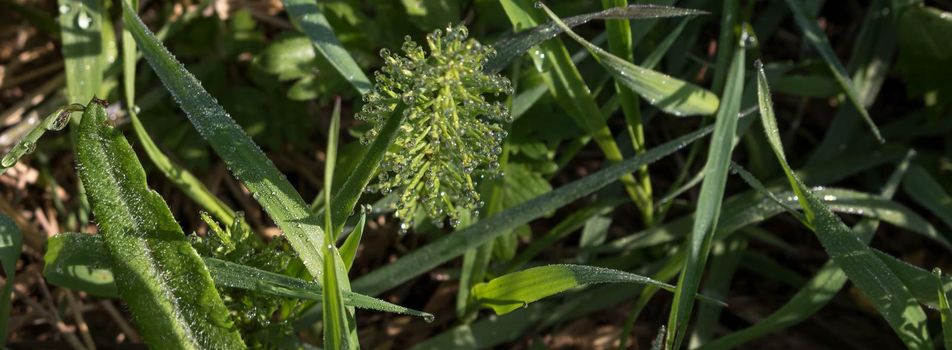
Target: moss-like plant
451, 134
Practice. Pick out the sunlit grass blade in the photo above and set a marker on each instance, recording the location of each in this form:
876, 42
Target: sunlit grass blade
944, 310
246, 161
83, 49
182, 178
348, 250
515, 290
870, 275
514, 46
925, 190
80, 261
309, 19
448, 247
569, 89
669, 94
27, 144
708, 207
11, 245
818, 291
159, 275
814, 35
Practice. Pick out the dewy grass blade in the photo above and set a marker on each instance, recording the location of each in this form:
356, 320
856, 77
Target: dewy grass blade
246, 161
80, 25
27, 144
818, 40
182, 178
348, 250
309, 19
79, 261
669, 94
870, 275
514, 46
442, 250
944, 311
817, 292
709, 202
159, 275
11, 245
512, 291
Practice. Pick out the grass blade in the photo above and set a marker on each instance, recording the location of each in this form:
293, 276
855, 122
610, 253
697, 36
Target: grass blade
512, 291
81, 262
11, 245
158, 273
27, 144
246, 161
348, 250
709, 202
309, 19
669, 94
816, 38
180, 177
514, 46
887, 292
944, 311
925, 190
442, 250
83, 49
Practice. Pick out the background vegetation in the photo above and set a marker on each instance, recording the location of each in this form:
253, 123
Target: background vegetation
716, 174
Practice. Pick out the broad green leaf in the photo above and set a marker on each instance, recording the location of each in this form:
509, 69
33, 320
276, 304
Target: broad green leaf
814, 35
159, 275
11, 245
669, 94
27, 144
870, 275
448, 247
708, 207
81, 262
242, 156
309, 19
515, 290
925, 190
182, 178
515, 45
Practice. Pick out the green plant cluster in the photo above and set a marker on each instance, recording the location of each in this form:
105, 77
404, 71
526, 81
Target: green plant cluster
451, 136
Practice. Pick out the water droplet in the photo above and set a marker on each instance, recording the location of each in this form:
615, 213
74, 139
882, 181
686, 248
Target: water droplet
63, 9
759, 65
83, 20
8, 161
538, 4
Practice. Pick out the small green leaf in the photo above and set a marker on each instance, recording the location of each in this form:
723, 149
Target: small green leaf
11, 245
924, 55
925, 190
159, 275
669, 94
348, 250
512, 291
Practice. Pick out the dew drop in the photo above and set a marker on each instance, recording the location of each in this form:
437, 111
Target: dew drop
63, 9
83, 20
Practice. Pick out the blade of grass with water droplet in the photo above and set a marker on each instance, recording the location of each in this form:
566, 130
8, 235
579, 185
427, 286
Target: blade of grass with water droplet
815, 36
448, 247
79, 261
517, 44
348, 250
510, 292
818, 291
80, 25
309, 19
870, 275
180, 177
159, 275
709, 202
11, 245
27, 144
669, 94
245, 159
